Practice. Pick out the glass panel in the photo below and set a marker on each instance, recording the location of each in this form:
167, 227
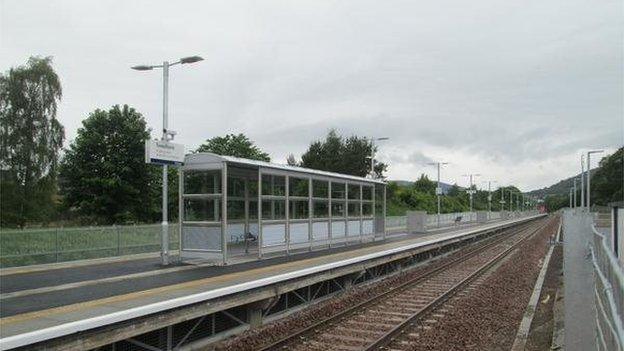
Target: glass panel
320, 230
367, 209
321, 209
367, 192
273, 185
201, 238
252, 187
379, 200
236, 186
236, 209
299, 232
236, 232
202, 210
354, 192
338, 190
253, 209
367, 227
338, 209
202, 182
298, 187
354, 228
273, 209
298, 209
354, 209
273, 234
338, 229
320, 188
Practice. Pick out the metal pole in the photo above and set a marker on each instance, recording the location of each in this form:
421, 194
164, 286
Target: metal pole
471, 193
164, 240
372, 158
438, 193
570, 194
574, 196
582, 182
489, 197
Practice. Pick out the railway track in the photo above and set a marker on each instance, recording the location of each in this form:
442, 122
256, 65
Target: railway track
380, 321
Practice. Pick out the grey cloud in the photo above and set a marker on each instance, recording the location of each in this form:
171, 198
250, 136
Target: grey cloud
505, 83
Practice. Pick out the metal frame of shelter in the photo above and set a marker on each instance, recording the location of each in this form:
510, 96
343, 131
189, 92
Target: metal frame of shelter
235, 207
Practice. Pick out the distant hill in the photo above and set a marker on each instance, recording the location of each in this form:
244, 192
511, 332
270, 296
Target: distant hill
445, 186
560, 188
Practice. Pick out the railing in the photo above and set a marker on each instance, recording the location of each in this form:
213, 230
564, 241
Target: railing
39, 246
608, 294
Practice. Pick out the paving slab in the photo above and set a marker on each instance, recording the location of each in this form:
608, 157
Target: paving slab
578, 279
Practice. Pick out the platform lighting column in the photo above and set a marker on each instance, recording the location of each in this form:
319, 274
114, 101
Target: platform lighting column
570, 197
489, 182
167, 135
502, 200
438, 188
471, 191
372, 168
589, 153
574, 195
582, 182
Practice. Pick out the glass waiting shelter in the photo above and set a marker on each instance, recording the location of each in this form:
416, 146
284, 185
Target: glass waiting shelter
233, 207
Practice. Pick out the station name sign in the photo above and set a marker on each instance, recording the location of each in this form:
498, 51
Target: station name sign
163, 152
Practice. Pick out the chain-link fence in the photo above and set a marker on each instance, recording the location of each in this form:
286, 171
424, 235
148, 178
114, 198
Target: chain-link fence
608, 295
39, 246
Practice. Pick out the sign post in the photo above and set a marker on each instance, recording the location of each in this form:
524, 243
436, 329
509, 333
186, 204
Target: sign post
164, 153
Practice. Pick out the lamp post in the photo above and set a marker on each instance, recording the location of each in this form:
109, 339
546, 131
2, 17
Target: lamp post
372, 171
489, 183
589, 153
574, 196
438, 188
471, 191
510, 200
502, 200
167, 135
582, 183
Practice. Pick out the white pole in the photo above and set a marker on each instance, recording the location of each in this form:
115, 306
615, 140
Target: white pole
589, 176
372, 158
582, 183
438, 190
471, 193
164, 240
574, 196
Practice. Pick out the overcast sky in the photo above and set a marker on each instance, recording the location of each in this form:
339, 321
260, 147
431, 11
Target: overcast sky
514, 90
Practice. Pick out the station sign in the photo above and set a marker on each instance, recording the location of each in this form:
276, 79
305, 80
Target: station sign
163, 152
439, 191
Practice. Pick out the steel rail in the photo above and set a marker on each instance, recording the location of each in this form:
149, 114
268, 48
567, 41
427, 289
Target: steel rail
388, 337
497, 239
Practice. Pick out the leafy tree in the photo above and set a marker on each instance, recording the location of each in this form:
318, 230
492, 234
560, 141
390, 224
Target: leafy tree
608, 179
347, 156
31, 138
104, 176
424, 185
291, 161
234, 145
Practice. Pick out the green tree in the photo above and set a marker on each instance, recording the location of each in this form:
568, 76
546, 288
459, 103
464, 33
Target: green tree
424, 185
347, 156
608, 179
234, 145
31, 138
103, 176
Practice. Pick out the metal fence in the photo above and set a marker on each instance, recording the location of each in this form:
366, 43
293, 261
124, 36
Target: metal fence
39, 246
608, 294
